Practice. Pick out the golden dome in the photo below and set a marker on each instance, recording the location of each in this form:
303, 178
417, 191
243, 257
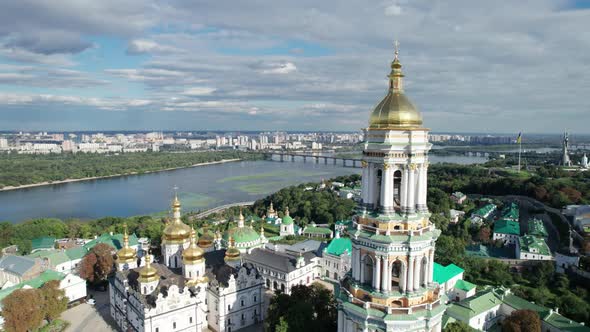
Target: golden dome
126, 254
148, 273
176, 231
395, 111
206, 239
232, 253
193, 253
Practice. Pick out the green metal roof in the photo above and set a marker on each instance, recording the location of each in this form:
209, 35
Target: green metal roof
564, 324
287, 220
507, 226
76, 252
484, 210
115, 241
33, 283
536, 228
473, 306
338, 246
54, 256
242, 234
511, 212
43, 243
316, 230
464, 285
533, 245
442, 274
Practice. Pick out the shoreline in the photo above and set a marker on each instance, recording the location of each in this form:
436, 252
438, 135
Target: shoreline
46, 183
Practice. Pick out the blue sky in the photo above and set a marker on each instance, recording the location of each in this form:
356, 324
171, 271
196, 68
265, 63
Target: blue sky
502, 66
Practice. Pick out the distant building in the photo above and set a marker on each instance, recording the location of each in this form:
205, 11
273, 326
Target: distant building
564, 262
532, 248
488, 308
64, 261
287, 226
455, 216
506, 230
16, 269
336, 258
458, 197
536, 228
481, 214
312, 230
511, 212
450, 279
42, 243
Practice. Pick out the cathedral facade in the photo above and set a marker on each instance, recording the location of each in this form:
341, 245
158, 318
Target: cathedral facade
193, 288
391, 284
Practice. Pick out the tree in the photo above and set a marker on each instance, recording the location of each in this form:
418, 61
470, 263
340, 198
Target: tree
522, 321
457, 326
484, 234
307, 308
23, 310
54, 300
97, 264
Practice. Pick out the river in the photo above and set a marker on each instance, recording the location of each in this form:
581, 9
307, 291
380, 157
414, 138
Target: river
199, 188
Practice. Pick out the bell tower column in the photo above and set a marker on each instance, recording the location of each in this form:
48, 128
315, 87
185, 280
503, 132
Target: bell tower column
404, 189
387, 189
365, 184
410, 280
378, 273
412, 189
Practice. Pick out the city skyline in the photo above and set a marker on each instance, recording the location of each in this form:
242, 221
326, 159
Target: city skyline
150, 66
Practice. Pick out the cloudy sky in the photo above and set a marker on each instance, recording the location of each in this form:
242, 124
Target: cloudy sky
471, 66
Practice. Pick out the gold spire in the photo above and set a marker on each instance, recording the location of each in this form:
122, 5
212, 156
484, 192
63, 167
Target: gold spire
287, 210
241, 219
232, 253
126, 254
395, 111
193, 253
148, 273
176, 231
271, 208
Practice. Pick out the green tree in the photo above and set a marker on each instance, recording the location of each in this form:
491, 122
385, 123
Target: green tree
23, 310
457, 326
54, 299
283, 326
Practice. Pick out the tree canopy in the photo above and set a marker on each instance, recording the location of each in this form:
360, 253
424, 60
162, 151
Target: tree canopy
97, 264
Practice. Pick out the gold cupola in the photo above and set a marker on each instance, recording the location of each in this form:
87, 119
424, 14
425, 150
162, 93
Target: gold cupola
232, 253
148, 273
395, 111
206, 239
126, 254
176, 231
193, 254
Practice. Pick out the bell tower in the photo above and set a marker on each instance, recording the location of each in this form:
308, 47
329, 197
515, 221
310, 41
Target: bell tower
393, 239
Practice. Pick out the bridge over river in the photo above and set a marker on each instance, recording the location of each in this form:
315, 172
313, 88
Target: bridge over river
293, 156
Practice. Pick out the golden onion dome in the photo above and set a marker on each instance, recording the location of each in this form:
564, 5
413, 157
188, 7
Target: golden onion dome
193, 253
148, 273
176, 231
126, 254
395, 111
232, 253
206, 239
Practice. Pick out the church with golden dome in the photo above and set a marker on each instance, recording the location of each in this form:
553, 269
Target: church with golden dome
390, 287
193, 286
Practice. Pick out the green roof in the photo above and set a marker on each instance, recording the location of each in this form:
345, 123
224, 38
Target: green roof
536, 228
33, 283
316, 230
473, 306
507, 226
43, 243
464, 285
338, 246
442, 274
485, 210
564, 324
115, 241
511, 212
287, 220
54, 256
242, 234
76, 252
534, 245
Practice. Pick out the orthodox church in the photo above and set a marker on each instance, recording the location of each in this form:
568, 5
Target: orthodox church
391, 286
194, 287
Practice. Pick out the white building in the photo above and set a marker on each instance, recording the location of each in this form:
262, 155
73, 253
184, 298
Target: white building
532, 248
336, 258
391, 286
190, 291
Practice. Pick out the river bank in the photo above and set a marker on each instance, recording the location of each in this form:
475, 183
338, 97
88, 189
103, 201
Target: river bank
48, 183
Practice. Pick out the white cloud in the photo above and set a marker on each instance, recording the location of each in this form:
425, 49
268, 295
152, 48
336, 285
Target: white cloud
142, 46
283, 68
199, 91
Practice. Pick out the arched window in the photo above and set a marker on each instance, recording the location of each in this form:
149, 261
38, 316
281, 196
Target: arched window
368, 270
175, 261
424, 271
267, 283
283, 288
397, 275
378, 187
397, 184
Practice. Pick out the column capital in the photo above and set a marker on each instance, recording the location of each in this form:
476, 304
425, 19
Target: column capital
413, 166
364, 164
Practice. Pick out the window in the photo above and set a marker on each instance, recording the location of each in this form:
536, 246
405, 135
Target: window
228, 307
190, 320
254, 298
174, 325
157, 329
242, 302
190, 274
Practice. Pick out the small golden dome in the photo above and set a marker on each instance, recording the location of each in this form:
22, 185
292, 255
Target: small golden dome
176, 231
126, 254
395, 111
232, 253
193, 253
148, 273
206, 239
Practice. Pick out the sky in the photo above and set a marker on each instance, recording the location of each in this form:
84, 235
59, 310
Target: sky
470, 66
